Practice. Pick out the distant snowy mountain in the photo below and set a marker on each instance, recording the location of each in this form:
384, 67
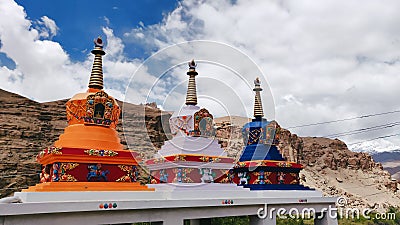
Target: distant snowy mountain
374, 147
390, 162
383, 151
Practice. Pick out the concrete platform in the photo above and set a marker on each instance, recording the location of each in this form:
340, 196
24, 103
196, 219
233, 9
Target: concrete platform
169, 204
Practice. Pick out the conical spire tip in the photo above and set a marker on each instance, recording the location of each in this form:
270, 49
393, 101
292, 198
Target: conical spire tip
192, 64
98, 42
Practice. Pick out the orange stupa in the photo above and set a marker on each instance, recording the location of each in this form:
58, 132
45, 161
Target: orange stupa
89, 155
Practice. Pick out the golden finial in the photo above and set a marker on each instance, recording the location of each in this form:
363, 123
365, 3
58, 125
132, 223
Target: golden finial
96, 77
258, 109
191, 96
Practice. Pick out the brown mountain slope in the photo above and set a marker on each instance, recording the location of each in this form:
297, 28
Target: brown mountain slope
25, 129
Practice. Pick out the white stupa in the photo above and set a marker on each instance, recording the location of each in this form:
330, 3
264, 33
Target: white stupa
193, 155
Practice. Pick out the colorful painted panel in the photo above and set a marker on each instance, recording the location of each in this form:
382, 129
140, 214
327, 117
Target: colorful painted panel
101, 110
92, 172
264, 178
188, 175
182, 123
203, 123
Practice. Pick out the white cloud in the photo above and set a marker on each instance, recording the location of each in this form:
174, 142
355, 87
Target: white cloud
43, 68
114, 46
37, 61
324, 60
106, 20
50, 25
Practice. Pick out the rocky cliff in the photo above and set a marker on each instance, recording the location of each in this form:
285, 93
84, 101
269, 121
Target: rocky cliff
329, 166
26, 127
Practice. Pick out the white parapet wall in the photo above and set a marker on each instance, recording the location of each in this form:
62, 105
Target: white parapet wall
170, 204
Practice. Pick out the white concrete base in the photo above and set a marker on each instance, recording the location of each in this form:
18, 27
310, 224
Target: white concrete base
178, 191
171, 204
73, 196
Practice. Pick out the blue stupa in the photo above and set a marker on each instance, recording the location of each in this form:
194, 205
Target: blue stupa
261, 165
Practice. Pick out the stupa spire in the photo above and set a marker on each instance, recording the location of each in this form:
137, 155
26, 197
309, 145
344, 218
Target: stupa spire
96, 76
191, 96
258, 109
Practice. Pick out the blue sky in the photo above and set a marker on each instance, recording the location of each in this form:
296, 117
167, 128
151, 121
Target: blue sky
83, 20
320, 60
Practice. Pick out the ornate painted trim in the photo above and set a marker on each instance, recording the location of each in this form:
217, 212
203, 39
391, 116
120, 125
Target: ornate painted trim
229, 175
262, 178
54, 150
106, 114
180, 158
268, 163
284, 164
60, 172
131, 173
209, 159
68, 166
68, 178
159, 160
241, 164
125, 168
261, 163
50, 150
191, 158
181, 175
95, 152
181, 123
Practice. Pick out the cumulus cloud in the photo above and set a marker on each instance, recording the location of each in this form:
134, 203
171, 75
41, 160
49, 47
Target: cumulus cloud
324, 60
37, 61
117, 67
44, 71
50, 26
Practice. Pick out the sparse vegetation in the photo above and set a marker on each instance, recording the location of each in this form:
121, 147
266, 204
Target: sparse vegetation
394, 213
